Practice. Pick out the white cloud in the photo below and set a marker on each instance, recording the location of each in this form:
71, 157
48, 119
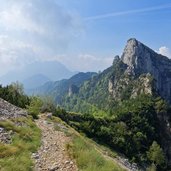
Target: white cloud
164, 51
34, 30
15, 17
14, 54
85, 62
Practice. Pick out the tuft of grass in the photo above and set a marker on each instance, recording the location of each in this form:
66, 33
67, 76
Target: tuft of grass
26, 140
88, 158
7, 150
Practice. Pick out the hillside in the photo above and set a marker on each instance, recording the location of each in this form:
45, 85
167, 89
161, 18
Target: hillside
19, 137
135, 93
61, 88
139, 70
51, 145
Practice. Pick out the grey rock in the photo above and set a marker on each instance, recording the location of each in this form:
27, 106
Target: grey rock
53, 168
142, 60
8, 110
67, 162
49, 115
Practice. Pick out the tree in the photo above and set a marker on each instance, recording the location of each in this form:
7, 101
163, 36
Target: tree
155, 154
48, 104
152, 167
14, 94
18, 87
35, 107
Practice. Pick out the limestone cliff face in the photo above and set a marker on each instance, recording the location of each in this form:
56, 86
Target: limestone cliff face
73, 89
142, 60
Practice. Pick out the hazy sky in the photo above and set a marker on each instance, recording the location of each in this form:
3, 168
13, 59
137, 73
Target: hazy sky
82, 34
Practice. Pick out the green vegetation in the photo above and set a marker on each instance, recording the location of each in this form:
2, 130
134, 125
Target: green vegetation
156, 155
85, 151
35, 107
93, 96
43, 104
26, 139
131, 129
61, 88
14, 94
48, 104
88, 158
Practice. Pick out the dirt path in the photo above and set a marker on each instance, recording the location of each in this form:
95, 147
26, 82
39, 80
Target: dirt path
52, 155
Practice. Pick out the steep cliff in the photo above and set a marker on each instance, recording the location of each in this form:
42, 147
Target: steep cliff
142, 60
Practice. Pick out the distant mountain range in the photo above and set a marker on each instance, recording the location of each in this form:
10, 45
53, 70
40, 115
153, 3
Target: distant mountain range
35, 81
63, 87
37, 73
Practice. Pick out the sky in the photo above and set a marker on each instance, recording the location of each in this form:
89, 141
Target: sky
84, 35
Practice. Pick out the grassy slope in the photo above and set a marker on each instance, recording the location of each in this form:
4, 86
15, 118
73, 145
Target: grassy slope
26, 140
85, 152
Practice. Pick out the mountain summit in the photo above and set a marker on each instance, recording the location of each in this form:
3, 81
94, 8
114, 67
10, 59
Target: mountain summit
142, 60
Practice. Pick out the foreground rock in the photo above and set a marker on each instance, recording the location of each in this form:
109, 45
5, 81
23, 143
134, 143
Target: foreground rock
8, 111
52, 155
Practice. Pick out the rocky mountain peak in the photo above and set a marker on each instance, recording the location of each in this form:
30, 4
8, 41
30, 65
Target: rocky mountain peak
140, 59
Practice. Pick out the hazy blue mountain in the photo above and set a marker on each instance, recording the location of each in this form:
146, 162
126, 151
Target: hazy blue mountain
35, 81
52, 70
60, 88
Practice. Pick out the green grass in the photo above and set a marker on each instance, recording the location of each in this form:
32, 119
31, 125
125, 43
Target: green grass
88, 158
26, 140
85, 152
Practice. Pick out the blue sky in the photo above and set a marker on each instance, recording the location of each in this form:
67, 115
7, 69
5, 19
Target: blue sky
82, 34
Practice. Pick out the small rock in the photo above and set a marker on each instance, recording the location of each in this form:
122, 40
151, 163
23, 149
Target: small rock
35, 156
49, 115
53, 168
67, 162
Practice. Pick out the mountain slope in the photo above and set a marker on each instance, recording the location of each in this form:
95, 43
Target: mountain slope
58, 145
35, 81
139, 70
19, 137
117, 91
59, 89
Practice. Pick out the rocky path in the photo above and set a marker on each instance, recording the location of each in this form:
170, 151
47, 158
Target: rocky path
52, 155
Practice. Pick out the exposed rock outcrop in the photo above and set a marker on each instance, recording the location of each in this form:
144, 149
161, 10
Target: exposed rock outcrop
8, 110
73, 89
142, 60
